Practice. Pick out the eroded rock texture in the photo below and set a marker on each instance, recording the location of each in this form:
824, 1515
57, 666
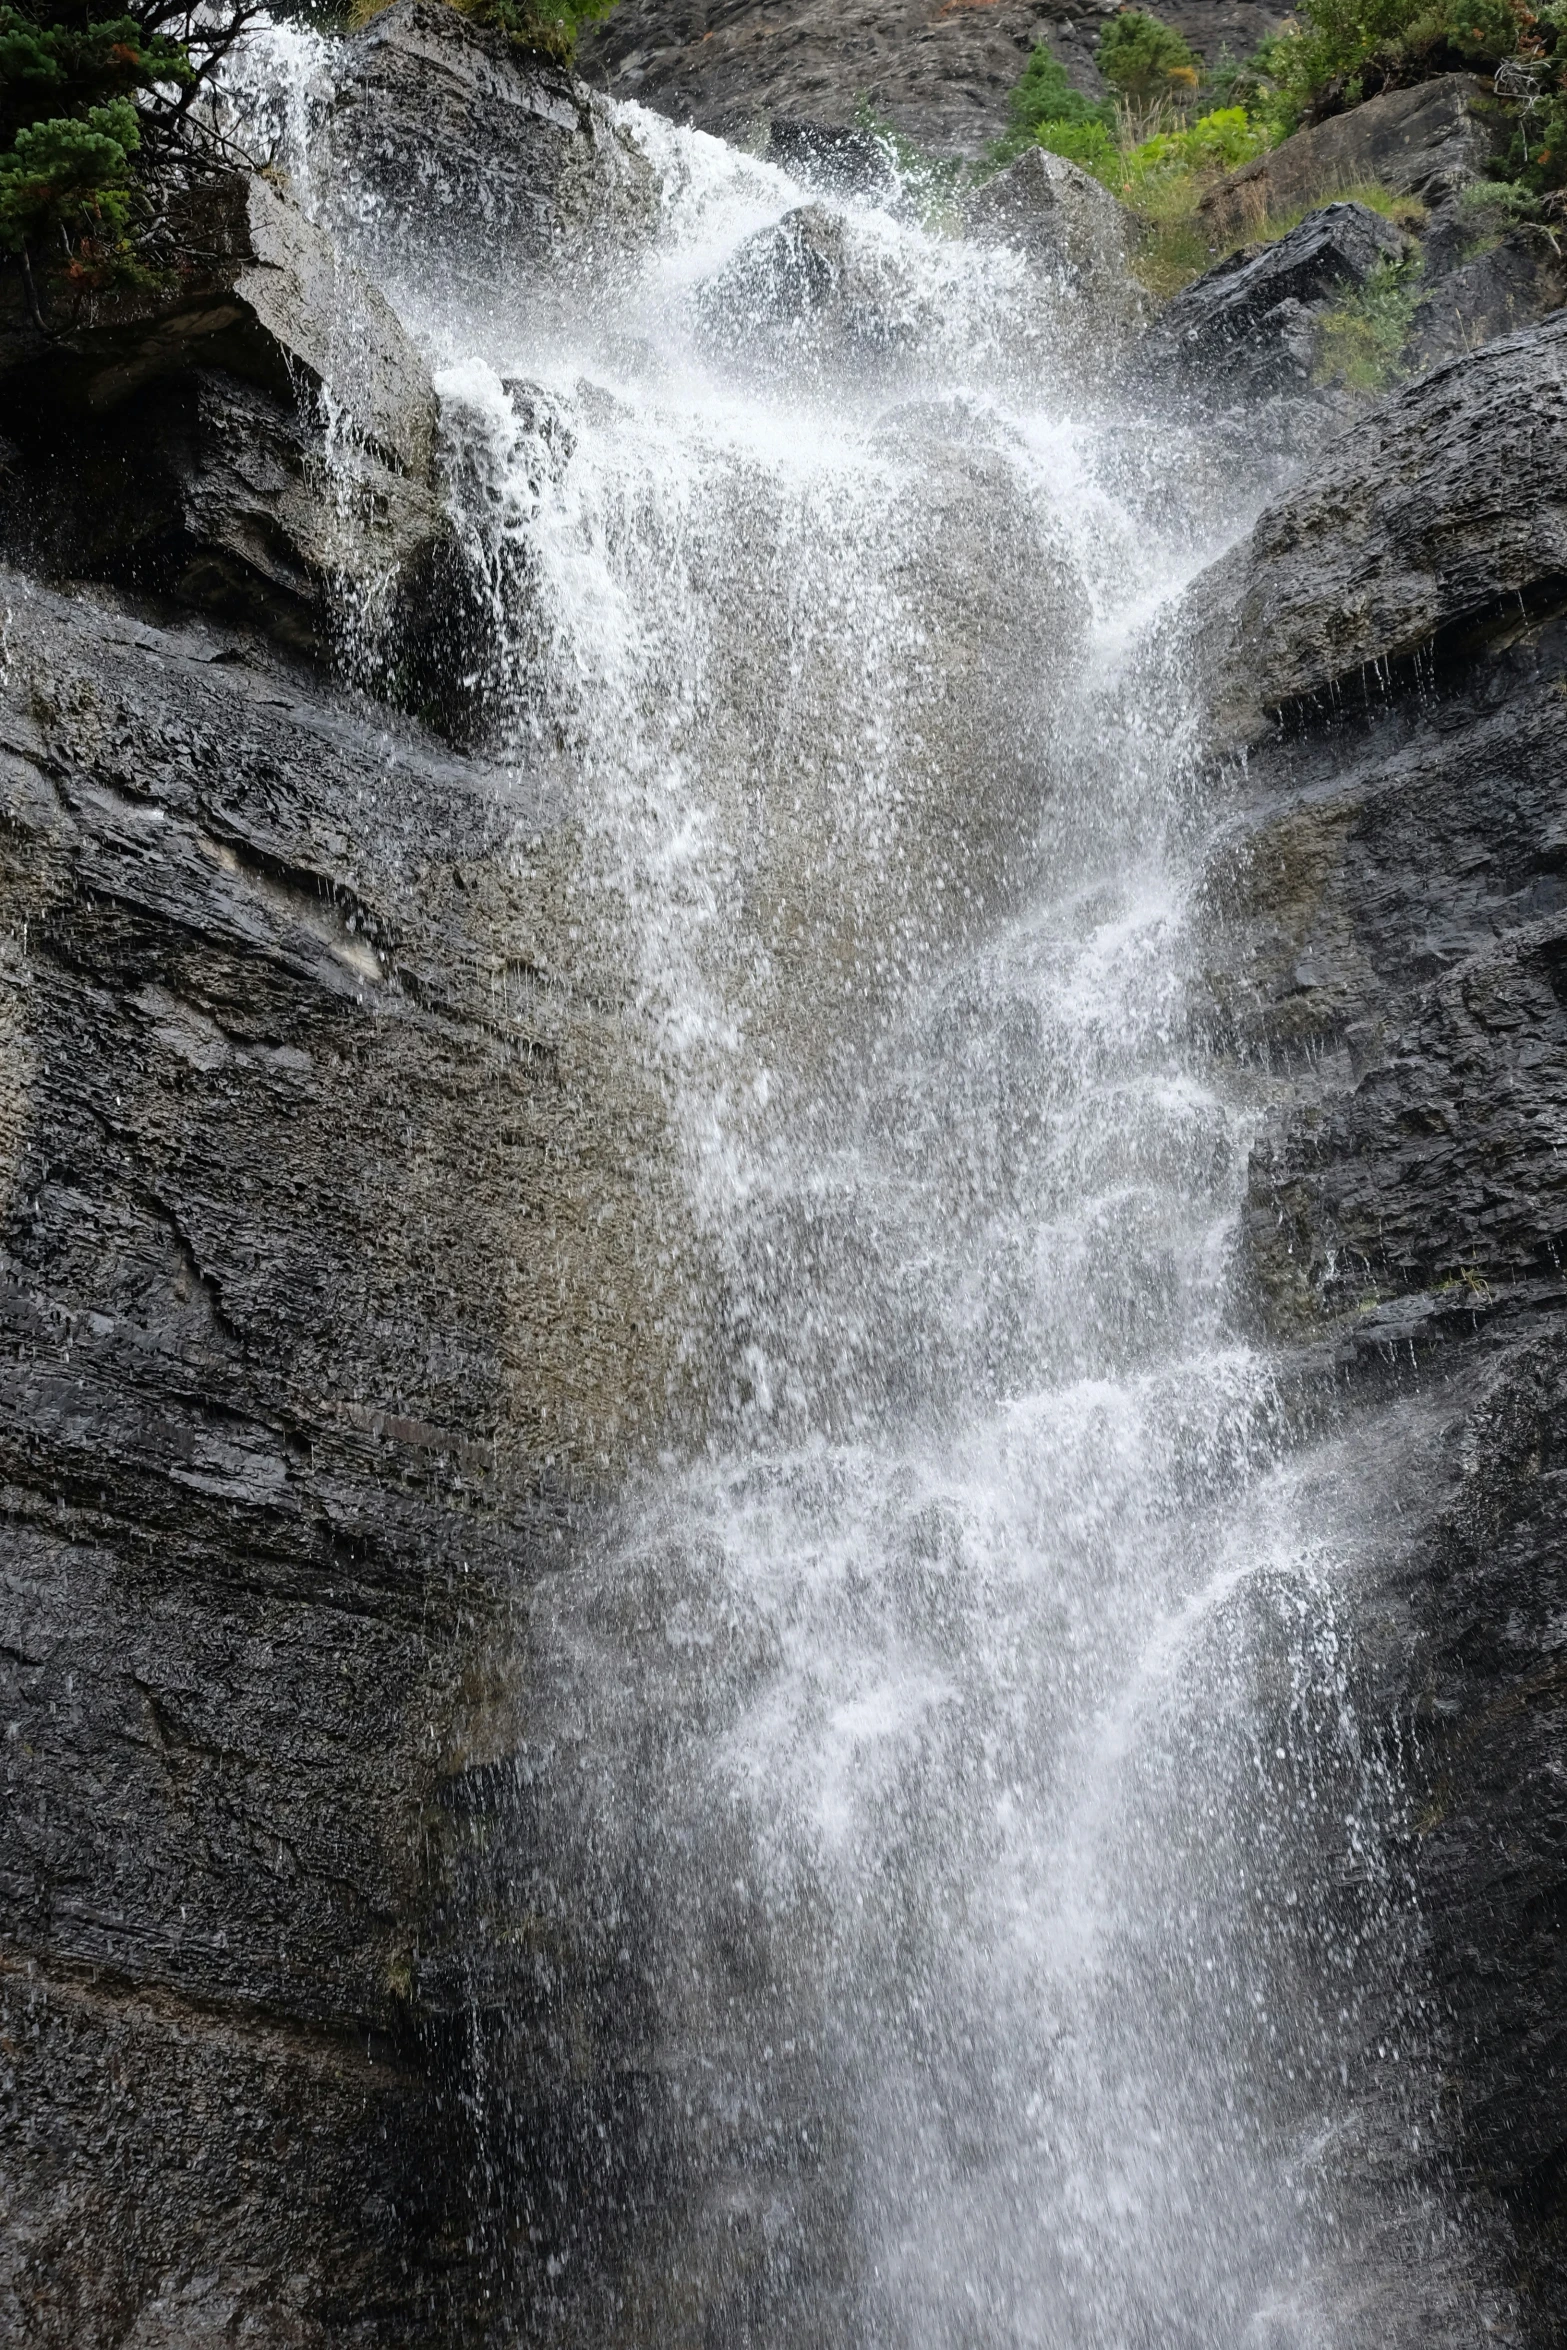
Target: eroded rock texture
323, 1299
1388, 940
777, 74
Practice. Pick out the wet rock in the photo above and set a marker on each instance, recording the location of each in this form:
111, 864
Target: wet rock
1070, 227
1250, 326
1443, 512
817, 288
1384, 934
444, 139
258, 441
1427, 141
1495, 288
318, 1296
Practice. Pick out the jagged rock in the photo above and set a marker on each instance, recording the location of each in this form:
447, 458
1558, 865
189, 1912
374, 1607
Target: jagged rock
1427, 141
438, 127
260, 440
318, 1269
1476, 297
1250, 325
1446, 506
1068, 224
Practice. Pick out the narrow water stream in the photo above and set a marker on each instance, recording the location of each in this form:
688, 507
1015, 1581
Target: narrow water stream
930, 1778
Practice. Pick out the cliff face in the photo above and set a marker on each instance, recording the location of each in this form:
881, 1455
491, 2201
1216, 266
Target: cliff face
1386, 938
312, 1148
797, 75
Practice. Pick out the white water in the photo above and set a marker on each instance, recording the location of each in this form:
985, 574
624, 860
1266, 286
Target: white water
960, 1857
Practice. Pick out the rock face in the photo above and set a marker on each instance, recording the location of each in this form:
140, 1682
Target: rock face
1428, 141
316, 1300
436, 123
1387, 925
769, 73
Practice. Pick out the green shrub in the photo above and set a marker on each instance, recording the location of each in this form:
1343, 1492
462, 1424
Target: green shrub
1044, 100
1145, 60
1088, 143
1363, 337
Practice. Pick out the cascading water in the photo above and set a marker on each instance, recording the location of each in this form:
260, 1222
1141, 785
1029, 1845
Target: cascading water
955, 1878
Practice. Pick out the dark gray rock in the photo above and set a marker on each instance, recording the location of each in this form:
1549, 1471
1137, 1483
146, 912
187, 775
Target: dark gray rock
814, 289
1427, 141
442, 137
772, 74
1249, 328
1385, 938
316, 1293
1071, 228
1497, 287
259, 441
1444, 510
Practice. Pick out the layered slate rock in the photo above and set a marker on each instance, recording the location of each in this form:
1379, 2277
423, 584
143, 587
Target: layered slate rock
1385, 936
444, 142
178, 439
1071, 229
327, 1299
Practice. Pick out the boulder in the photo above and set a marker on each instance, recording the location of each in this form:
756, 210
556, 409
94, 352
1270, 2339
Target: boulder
817, 288
259, 439
1068, 224
1427, 141
1496, 287
1252, 321
444, 140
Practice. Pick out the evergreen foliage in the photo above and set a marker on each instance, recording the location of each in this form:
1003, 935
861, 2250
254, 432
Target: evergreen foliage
92, 105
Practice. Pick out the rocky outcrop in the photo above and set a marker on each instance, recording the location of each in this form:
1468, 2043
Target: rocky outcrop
1069, 226
325, 1188
258, 439
1427, 141
1386, 937
1251, 327
774, 74
445, 143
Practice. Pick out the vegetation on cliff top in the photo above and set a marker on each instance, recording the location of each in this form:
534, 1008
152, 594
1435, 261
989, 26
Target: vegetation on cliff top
1170, 127
536, 28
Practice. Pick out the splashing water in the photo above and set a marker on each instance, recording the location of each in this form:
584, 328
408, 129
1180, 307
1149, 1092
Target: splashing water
956, 1861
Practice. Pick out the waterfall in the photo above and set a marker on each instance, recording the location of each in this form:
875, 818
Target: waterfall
955, 1881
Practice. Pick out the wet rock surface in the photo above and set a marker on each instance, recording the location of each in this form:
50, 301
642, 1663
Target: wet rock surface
297, 1188
1387, 934
438, 127
1069, 226
179, 440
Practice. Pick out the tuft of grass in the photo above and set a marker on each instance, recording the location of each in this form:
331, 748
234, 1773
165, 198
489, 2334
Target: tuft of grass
1363, 337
